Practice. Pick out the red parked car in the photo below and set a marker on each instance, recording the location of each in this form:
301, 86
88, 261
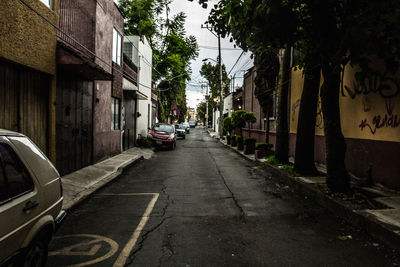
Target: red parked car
162, 135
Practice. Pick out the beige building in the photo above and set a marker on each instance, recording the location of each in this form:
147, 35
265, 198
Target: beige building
28, 68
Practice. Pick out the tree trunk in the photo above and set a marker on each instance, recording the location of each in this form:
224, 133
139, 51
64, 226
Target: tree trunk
304, 154
282, 132
267, 128
337, 179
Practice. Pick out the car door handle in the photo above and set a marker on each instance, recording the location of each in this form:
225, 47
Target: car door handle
30, 205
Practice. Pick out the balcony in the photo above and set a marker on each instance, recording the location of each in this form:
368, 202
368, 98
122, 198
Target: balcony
77, 25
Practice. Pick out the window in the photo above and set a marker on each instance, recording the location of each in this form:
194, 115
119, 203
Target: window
48, 3
117, 46
128, 50
3, 188
16, 178
116, 117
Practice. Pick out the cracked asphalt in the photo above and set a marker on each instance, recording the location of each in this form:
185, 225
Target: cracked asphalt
214, 209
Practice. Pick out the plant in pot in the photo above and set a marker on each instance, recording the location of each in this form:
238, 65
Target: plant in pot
228, 127
263, 150
228, 139
233, 140
238, 120
249, 119
239, 140
249, 145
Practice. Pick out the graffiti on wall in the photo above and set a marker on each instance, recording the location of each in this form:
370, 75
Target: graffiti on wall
388, 120
387, 87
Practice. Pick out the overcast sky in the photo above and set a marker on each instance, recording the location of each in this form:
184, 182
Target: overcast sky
208, 43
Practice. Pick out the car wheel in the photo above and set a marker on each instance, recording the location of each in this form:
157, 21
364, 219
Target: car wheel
36, 255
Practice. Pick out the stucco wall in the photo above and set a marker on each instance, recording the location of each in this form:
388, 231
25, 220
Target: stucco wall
370, 119
26, 38
106, 142
144, 85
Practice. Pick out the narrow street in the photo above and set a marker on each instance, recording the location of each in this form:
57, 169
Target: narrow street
208, 207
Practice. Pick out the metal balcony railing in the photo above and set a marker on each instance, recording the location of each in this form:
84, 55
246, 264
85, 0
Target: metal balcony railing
77, 26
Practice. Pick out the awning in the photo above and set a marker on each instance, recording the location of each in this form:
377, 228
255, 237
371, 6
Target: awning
128, 86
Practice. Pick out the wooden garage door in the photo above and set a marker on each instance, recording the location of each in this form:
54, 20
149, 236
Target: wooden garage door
24, 96
74, 123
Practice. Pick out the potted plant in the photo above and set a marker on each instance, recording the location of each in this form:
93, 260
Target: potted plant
238, 120
228, 127
228, 139
249, 118
239, 140
263, 150
233, 140
249, 145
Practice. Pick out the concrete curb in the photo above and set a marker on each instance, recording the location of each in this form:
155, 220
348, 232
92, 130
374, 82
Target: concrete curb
100, 183
385, 233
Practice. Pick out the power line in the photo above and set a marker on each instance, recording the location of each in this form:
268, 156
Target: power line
216, 48
236, 62
90, 52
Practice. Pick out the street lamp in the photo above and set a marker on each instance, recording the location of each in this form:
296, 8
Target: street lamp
221, 102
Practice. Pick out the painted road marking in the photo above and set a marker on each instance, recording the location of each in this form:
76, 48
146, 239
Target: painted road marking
123, 256
96, 242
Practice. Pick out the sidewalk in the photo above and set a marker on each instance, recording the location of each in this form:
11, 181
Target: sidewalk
375, 209
80, 184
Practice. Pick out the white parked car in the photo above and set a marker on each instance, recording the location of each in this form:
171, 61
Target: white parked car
30, 201
187, 127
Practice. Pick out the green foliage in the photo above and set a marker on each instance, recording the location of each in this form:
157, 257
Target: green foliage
172, 50
233, 138
228, 138
249, 118
211, 73
228, 126
239, 139
264, 146
143, 142
272, 160
289, 168
249, 140
238, 119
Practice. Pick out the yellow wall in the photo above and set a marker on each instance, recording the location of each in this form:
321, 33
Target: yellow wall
26, 38
362, 115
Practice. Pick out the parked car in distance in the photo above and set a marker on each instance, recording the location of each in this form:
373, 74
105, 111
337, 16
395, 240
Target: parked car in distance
162, 135
30, 201
187, 127
180, 130
192, 124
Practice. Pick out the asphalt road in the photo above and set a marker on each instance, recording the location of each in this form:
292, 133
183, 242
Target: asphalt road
208, 207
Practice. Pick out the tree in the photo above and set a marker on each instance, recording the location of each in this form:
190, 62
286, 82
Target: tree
211, 73
331, 33
228, 125
172, 50
238, 120
249, 118
282, 131
267, 64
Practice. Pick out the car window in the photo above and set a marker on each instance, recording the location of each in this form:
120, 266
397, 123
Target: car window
16, 176
164, 128
3, 188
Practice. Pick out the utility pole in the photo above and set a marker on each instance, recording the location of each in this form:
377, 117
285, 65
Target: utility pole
221, 100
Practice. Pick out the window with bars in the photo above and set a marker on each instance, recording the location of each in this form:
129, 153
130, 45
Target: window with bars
117, 47
115, 114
